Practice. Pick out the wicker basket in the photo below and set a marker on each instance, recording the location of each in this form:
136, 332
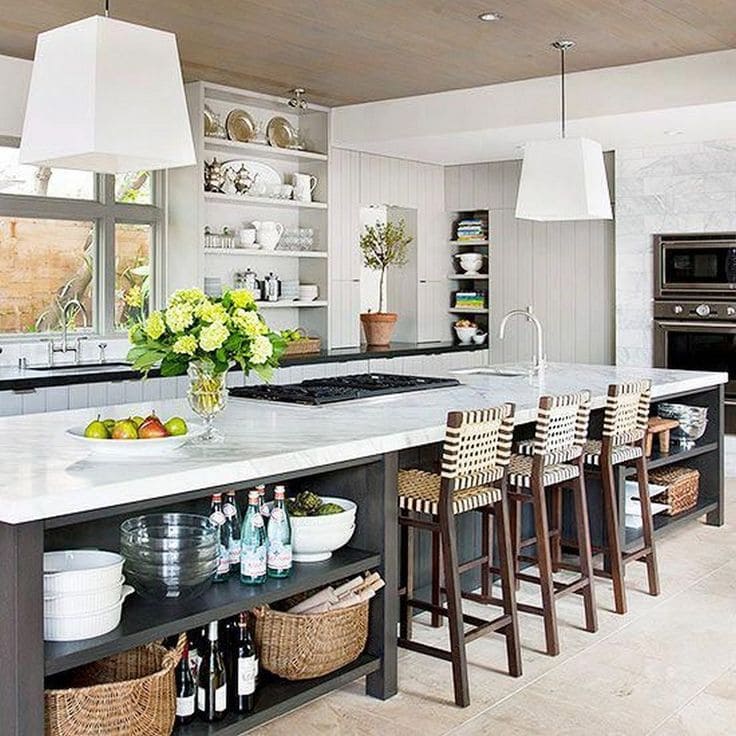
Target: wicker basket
683, 486
305, 346
300, 646
127, 694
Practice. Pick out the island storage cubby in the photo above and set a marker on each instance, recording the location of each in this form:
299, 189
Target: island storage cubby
369, 482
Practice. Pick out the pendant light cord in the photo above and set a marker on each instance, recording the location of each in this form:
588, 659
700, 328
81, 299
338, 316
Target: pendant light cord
562, 89
107, 8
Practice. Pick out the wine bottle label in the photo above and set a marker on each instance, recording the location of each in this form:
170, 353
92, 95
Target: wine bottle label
253, 561
229, 510
218, 518
221, 698
247, 671
185, 706
201, 699
279, 556
223, 562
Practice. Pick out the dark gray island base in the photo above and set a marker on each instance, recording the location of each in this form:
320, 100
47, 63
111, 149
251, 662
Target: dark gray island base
369, 481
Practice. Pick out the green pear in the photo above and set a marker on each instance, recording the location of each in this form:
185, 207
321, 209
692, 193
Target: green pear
96, 430
125, 429
176, 426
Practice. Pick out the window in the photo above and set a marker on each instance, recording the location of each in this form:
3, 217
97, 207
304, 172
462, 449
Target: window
73, 235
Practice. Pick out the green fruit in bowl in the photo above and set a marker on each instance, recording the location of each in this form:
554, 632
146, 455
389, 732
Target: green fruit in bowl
96, 430
327, 509
176, 426
125, 429
137, 420
109, 425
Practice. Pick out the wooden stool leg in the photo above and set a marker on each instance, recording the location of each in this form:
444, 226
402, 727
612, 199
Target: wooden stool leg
486, 577
664, 442
544, 562
647, 525
586, 556
556, 544
454, 609
436, 592
407, 579
508, 588
515, 524
613, 532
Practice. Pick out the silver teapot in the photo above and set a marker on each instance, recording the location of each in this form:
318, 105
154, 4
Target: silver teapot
271, 287
215, 177
243, 180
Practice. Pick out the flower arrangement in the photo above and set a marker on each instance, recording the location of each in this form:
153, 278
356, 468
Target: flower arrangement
215, 333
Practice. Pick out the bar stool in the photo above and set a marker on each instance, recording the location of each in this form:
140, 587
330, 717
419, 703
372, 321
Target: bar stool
623, 443
553, 461
475, 456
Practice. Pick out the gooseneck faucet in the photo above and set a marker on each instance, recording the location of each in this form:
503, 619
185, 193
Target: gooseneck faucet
540, 359
64, 348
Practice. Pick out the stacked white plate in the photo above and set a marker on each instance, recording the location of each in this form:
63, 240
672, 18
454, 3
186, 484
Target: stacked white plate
83, 593
308, 292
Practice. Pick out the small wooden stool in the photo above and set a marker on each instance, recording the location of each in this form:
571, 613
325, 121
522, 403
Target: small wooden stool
475, 456
662, 428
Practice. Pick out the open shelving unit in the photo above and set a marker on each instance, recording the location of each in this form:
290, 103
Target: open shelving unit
469, 282
192, 208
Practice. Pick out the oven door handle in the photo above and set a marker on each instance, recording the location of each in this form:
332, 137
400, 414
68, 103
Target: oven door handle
717, 325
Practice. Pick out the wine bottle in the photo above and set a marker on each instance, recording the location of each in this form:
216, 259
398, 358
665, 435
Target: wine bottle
279, 537
262, 501
212, 680
186, 690
253, 544
244, 693
196, 639
218, 517
230, 509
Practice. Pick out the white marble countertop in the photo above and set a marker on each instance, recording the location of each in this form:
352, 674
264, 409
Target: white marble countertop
47, 474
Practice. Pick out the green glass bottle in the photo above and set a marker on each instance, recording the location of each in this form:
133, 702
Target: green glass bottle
279, 537
253, 544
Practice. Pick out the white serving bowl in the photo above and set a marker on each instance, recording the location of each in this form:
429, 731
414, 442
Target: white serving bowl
315, 538
466, 334
79, 626
480, 337
471, 263
72, 571
75, 604
134, 448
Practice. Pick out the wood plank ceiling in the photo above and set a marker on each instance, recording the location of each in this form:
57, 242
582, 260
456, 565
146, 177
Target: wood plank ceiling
347, 51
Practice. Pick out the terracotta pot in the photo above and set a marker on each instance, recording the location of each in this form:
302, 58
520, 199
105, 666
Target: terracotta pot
378, 327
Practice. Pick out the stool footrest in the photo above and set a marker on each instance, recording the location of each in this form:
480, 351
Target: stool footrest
416, 646
637, 554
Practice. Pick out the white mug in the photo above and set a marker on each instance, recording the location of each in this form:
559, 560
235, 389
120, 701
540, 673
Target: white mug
247, 237
304, 185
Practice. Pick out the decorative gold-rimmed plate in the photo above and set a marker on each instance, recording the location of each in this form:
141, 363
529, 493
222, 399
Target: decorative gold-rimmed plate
280, 133
240, 126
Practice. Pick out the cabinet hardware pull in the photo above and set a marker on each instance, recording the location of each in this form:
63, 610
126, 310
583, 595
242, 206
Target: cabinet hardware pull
24, 390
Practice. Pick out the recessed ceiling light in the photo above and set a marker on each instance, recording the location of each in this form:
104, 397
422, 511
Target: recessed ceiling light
489, 16
674, 132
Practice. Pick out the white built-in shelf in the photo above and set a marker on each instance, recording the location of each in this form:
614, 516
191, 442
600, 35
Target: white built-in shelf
467, 276
468, 242
457, 310
268, 201
265, 253
290, 304
261, 150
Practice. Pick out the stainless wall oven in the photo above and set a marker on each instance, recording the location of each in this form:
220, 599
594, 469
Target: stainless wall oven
695, 307
695, 266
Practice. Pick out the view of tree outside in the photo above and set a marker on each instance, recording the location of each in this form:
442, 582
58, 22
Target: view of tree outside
44, 263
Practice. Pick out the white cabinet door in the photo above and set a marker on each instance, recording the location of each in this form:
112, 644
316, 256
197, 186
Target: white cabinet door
345, 313
432, 305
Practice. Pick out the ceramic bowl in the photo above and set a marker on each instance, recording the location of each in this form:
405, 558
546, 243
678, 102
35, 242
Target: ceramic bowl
471, 263
80, 571
134, 448
76, 626
465, 334
480, 337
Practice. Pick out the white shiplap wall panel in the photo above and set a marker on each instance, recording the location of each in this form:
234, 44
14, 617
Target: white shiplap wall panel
360, 179
564, 269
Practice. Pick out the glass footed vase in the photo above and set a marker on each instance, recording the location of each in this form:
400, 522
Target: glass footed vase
207, 395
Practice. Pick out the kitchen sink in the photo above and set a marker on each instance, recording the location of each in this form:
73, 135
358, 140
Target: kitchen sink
509, 371
81, 367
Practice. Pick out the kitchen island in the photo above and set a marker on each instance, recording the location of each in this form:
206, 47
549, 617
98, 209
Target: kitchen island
54, 495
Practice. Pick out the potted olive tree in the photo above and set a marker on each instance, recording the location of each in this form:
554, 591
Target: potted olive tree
382, 245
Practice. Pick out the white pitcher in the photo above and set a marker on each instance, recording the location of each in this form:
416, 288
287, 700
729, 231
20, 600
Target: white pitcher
268, 233
304, 185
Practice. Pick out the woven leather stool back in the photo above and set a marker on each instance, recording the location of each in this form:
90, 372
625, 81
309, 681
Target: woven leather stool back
562, 427
627, 412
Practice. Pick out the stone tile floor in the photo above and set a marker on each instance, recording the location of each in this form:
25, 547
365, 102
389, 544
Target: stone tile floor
667, 668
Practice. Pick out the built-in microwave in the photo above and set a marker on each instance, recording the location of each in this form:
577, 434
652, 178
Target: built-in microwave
686, 265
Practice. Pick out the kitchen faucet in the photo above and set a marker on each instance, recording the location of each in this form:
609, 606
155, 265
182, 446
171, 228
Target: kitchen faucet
539, 362
64, 348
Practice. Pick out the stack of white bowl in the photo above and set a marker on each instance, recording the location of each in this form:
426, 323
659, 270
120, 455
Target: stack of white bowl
308, 292
83, 593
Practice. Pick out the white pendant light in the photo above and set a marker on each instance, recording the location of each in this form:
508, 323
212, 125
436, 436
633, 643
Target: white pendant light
106, 96
563, 179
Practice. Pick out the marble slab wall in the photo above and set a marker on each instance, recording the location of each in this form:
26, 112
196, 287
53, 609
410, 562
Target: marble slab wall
680, 188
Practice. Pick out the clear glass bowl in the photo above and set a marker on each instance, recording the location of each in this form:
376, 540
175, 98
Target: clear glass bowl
183, 557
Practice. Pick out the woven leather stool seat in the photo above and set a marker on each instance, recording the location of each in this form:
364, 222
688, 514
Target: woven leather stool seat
420, 491
593, 449
520, 472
